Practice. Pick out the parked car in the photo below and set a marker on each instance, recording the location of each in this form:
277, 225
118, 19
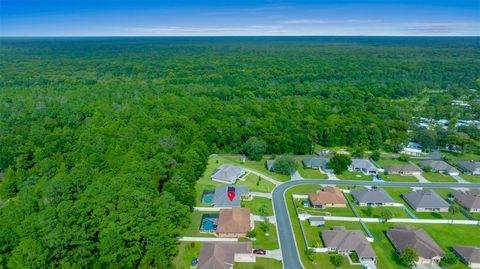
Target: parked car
194, 262
259, 252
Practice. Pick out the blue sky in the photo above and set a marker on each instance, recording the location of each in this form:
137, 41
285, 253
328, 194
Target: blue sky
219, 18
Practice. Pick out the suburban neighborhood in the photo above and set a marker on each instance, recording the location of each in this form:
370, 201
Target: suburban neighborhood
360, 217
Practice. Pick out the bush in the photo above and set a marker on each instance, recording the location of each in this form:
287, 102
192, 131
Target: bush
375, 156
449, 259
252, 234
404, 157
336, 260
427, 168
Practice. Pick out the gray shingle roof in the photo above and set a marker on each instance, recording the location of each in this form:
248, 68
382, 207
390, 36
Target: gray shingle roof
469, 199
348, 240
415, 238
470, 166
371, 196
221, 255
228, 173
363, 164
220, 198
438, 166
397, 169
425, 199
468, 254
315, 162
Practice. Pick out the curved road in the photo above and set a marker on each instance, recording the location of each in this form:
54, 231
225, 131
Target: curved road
288, 245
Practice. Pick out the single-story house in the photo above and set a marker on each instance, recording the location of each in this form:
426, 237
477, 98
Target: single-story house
223, 255
315, 162
316, 221
469, 255
371, 197
404, 170
429, 252
440, 167
413, 148
328, 197
426, 201
347, 241
270, 165
228, 173
470, 167
221, 199
468, 199
233, 222
363, 165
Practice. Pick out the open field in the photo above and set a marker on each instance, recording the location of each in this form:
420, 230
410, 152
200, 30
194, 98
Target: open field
256, 203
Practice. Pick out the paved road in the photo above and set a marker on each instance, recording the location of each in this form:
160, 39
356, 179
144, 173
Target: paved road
288, 245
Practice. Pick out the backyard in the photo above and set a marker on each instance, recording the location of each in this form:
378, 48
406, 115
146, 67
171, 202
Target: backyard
186, 251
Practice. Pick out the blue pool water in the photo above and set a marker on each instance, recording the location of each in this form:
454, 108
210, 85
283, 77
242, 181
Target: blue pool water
209, 223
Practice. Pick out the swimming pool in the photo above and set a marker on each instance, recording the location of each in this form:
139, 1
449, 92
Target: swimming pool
207, 196
209, 223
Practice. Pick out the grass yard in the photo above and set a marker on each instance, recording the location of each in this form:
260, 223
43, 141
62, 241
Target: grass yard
437, 177
397, 212
186, 251
384, 162
310, 173
441, 233
396, 193
319, 260
270, 241
256, 203
193, 228
460, 156
256, 166
471, 178
252, 180
398, 178
341, 212
347, 175
261, 263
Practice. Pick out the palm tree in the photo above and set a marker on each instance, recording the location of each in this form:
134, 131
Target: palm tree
452, 210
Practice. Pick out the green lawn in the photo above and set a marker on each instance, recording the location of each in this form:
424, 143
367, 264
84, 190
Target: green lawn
193, 228
252, 180
471, 178
384, 162
398, 178
460, 156
186, 251
347, 175
256, 166
441, 233
342, 212
256, 203
320, 260
437, 177
310, 173
396, 193
261, 263
264, 241
397, 212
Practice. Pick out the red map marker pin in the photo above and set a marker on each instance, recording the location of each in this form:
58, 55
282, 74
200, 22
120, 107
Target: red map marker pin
231, 193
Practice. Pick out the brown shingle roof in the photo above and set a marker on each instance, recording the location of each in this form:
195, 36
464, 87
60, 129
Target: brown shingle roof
468, 254
329, 195
469, 199
416, 238
221, 255
348, 240
235, 220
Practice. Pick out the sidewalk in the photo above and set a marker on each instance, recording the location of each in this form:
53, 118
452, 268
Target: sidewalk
261, 194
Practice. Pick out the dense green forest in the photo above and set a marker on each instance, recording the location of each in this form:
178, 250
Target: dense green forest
102, 139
